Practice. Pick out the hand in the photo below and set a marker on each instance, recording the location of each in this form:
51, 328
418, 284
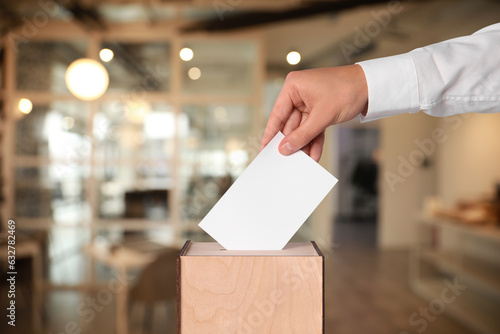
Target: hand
312, 100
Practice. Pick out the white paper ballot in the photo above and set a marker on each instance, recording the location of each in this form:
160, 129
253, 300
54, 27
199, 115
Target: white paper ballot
269, 202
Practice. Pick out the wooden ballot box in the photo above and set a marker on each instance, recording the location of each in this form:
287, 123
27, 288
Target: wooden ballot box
242, 292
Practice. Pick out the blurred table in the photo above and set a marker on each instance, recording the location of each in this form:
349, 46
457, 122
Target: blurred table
124, 258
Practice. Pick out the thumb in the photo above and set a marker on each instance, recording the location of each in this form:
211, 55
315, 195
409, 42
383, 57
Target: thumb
299, 137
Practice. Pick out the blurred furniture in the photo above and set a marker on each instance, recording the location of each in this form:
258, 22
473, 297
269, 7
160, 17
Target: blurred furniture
156, 284
138, 203
447, 250
26, 250
123, 259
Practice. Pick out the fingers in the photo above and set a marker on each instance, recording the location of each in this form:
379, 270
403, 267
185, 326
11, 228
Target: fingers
317, 146
280, 114
307, 148
301, 136
293, 122
296, 119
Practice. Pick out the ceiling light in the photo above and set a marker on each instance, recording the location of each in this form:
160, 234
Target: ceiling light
106, 55
186, 54
293, 58
87, 79
194, 73
25, 106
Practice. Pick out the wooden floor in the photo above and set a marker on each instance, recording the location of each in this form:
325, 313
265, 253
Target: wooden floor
366, 292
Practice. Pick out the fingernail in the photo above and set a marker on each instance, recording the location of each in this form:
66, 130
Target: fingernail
286, 149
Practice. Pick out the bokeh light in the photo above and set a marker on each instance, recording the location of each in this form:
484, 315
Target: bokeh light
25, 106
186, 54
194, 73
106, 55
293, 58
87, 79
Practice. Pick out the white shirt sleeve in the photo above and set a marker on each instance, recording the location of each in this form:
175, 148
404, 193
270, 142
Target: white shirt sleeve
452, 77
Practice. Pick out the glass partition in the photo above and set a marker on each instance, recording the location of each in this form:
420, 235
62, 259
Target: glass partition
155, 152
134, 130
212, 139
41, 65
138, 67
221, 68
45, 192
55, 130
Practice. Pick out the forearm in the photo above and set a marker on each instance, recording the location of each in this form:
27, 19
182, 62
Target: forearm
452, 77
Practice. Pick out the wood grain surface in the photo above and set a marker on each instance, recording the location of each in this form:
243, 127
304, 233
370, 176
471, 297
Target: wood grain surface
251, 294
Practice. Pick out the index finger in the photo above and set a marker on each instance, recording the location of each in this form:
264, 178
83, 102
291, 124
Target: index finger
280, 113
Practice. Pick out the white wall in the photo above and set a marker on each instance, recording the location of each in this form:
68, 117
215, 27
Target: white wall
464, 153
403, 182
469, 160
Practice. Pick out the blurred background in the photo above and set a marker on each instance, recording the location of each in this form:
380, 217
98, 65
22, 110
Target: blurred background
124, 121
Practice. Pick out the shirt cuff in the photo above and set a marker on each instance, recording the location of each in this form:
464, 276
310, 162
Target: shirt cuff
392, 86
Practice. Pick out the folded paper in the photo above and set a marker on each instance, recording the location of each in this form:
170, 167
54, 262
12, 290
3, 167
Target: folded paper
269, 202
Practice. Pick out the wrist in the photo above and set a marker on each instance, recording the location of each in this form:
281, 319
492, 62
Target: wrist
361, 90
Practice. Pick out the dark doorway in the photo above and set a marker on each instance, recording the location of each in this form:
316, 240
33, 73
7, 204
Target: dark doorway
358, 194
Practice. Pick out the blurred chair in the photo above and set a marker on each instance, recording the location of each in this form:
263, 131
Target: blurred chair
156, 285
